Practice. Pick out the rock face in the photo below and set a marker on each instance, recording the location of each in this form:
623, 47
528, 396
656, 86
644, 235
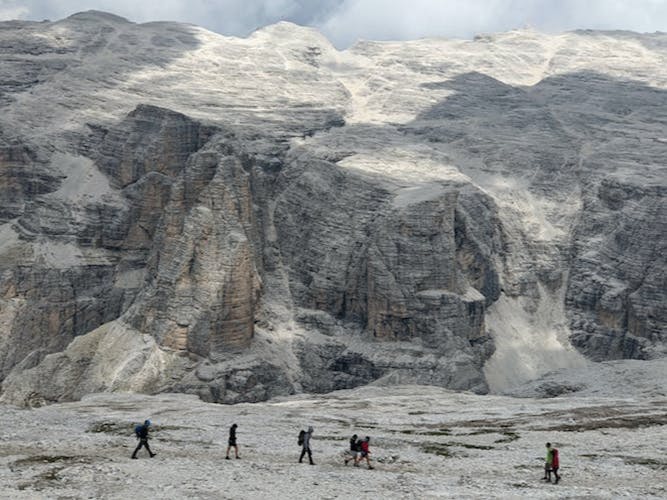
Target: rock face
244, 218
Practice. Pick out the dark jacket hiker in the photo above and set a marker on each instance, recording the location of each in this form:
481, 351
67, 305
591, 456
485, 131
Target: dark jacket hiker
305, 445
141, 432
355, 449
231, 443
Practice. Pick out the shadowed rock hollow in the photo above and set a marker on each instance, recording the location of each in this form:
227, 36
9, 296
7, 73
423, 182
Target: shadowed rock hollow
245, 218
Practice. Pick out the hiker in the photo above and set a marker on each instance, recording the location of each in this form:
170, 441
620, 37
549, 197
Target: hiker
555, 464
548, 464
232, 441
304, 439
365, 452
141, 432
355, 449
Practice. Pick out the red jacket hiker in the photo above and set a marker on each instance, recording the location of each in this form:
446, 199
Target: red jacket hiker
365, 452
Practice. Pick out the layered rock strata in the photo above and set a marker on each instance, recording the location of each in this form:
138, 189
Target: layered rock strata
243, 218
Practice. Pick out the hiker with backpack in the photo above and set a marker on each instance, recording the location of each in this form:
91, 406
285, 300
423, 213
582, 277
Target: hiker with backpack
551, 464
231, 443
555, 464
547, 464
354, 451
141, 431
304, 441
365, 452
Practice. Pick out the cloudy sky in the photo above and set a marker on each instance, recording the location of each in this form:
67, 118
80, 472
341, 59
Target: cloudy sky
344, 21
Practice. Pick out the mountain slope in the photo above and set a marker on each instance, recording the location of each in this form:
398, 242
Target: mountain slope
262, 216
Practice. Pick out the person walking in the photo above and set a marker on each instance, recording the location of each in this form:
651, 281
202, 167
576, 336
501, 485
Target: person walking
548, 464
141, 432
555, 464
231, 443
355, 448
305, 445
365, 452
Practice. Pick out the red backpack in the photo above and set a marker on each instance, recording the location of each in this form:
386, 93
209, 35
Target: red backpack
554, 459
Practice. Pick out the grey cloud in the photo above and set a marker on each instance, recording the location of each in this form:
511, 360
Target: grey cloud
409, 19
344, 21
234, 17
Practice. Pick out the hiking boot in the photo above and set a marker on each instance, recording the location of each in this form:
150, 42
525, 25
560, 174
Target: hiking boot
371, 467
237, 458
153, 454
134, 458
226, 458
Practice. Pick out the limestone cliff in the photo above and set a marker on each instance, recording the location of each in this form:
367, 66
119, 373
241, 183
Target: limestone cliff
242, 218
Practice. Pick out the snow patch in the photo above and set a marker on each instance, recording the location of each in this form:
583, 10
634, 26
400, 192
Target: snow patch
638, 378
133, 278
418, 194
57, 254
9, 238
83, 182
405, 163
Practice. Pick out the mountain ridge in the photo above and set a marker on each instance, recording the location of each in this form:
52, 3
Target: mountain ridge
269, 215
